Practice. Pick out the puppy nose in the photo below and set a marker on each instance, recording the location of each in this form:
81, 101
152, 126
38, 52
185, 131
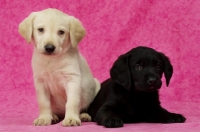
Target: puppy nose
49, 48
151, 81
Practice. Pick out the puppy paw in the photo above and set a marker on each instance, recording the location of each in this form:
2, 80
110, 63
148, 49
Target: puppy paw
71, 121
55, 119
45, 120
42, 122
85, 117
113, 122
172, 118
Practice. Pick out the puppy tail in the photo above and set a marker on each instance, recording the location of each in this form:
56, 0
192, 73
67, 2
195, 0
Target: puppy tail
98, 86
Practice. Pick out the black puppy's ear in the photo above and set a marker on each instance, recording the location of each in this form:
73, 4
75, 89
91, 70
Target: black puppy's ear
120, 71
167, 68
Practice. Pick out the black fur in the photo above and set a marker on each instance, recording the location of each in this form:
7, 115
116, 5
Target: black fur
131, 94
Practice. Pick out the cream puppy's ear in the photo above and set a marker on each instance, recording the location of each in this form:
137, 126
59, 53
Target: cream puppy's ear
76, 30
26, 27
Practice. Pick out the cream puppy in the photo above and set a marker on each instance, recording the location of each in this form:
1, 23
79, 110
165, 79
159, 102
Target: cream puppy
63, 81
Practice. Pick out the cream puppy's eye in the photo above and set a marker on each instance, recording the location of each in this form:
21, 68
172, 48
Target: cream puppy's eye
61, 32
41, 30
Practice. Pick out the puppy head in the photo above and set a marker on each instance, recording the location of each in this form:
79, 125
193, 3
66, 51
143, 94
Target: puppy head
52, 31
141, 69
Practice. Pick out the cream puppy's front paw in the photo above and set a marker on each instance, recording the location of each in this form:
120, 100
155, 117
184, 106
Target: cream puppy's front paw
42, 121
71, 121
45, 120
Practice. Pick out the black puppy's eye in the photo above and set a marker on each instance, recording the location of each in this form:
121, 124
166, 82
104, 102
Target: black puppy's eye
158, 66
61, 32
41, 30
138, 67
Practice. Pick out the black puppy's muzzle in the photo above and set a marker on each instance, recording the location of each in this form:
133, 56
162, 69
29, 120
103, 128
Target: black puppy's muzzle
151, 81
49, 48
152, 84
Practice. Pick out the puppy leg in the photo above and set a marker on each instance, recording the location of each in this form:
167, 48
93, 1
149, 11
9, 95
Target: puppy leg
98, 86
72, 108
109, 116
163, 116
43, 96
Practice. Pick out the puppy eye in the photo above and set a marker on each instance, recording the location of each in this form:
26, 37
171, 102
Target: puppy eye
41, 30
61, 32
158, 66
138, 67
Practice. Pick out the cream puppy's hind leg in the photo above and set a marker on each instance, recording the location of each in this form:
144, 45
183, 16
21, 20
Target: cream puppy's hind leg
85, 117
43, 96
72, 108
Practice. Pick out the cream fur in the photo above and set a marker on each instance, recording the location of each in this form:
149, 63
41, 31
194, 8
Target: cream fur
63, 81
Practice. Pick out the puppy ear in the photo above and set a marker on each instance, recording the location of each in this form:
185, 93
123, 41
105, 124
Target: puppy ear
26, 27
76, 30
167, 69
120, 71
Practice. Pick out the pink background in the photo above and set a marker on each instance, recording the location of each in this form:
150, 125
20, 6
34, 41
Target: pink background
113, 27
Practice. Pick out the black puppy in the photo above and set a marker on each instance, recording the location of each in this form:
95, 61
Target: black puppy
131, 94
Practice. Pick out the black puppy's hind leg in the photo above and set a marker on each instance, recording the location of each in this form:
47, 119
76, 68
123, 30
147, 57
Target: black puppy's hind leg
109, 116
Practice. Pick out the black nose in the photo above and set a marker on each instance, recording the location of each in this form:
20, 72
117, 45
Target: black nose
151, 81
49, 48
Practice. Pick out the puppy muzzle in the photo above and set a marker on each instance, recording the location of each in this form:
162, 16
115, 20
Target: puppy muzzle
150, 85
49, 48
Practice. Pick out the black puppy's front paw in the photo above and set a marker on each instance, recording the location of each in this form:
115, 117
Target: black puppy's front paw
113, 122
172, 118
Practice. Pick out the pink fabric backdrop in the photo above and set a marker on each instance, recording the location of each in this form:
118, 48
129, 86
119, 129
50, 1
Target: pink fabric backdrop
113, 27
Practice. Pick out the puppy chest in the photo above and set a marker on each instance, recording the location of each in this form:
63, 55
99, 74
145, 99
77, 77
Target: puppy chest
55, 83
